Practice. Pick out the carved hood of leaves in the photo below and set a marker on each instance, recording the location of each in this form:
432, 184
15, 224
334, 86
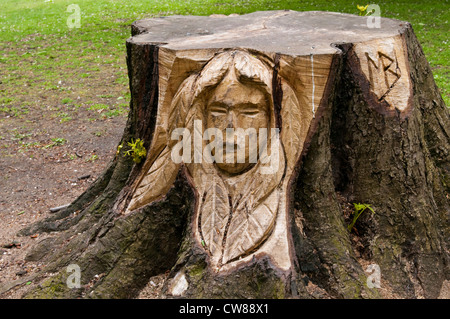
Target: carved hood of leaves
235, 214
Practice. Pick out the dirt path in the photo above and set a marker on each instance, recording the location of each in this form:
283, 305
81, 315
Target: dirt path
45, 164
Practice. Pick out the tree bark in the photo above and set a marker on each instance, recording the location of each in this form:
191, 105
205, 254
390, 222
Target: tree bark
390, 150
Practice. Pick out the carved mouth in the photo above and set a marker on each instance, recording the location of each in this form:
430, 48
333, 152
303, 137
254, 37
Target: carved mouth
232, 145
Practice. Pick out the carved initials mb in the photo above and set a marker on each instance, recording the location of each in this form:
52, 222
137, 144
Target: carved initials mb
385, 68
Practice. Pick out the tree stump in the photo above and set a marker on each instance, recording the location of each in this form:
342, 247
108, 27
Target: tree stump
326, 112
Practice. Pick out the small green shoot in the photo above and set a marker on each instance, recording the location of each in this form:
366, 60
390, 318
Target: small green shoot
359, 209
362, 9
119, 148
70, 156
64, 117
137, 151
93, 158
20, 136
58, 141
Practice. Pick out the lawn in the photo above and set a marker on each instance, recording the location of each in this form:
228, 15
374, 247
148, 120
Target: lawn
47, 66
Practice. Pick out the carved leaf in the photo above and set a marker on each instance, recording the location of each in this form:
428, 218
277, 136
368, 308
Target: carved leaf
253, 214
156, 182
250, 227
251, 68
291, 131
214, 216
181, 104
213, 74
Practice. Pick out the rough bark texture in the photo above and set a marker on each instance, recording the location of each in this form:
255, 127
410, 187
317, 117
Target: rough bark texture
399, 163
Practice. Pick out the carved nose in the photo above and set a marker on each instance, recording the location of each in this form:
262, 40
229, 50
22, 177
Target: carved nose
231, 119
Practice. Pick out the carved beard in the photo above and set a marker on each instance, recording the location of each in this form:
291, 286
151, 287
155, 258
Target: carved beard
236, 214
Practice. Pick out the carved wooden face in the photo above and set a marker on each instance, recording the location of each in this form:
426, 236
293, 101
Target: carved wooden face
237, 105
237, 207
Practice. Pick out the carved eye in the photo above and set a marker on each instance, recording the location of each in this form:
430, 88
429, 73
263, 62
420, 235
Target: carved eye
217, 110
251, 111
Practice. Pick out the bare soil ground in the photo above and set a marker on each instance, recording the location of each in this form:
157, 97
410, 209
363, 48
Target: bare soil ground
39, 177
45, 164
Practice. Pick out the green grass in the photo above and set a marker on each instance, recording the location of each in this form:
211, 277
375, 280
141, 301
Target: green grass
57, 141
66, 100
41, 56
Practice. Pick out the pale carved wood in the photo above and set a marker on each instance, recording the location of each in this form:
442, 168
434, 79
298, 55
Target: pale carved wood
384, 64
